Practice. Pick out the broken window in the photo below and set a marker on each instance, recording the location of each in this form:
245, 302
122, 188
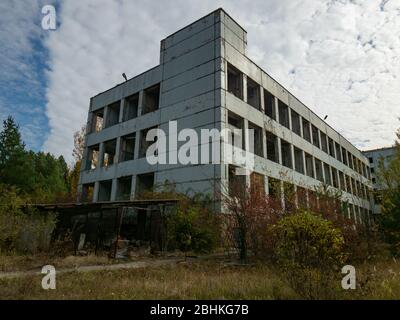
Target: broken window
309, 165
236, 183
105, 190
295, 122
342, 182
87, 192
257, 183
269, 104
315, 136
253, 93
97, 120
272, 147
144, 145
327, 172
236, 137
331, 147
92, 157
286, 151
131, 107
112, 117
258, 146
151, 99
335, 182
318, 170
109, 152
283, 114
324, 144
144, 182
124, 185
127, 147
235, 81
338, 153
306, 130
298, 160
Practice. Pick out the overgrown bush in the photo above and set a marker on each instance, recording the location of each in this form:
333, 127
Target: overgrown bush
309, 250
193, 227
24, 231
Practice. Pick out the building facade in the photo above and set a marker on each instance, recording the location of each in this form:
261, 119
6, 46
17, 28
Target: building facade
374, 157
206, 80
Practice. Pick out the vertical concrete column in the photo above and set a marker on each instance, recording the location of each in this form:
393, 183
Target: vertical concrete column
315, 168
244, 88
105, 115
133, 188
303, 154
101, 156
246, 145
292, 155
279, 150
137, 144
114, 187
96, 191
290, 118
301, 127
276, 109
266, 185
117, 150
140, 102
264, 142
121, 110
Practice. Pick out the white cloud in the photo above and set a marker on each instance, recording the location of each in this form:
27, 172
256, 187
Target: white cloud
341, 58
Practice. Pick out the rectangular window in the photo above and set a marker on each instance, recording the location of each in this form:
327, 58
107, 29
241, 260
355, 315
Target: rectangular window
253, 94
327, 172
318, 169
144, 145
257, 183
342, 182
97, 120
286, 151
272, 147
144, 182
298, 160
283, 114
338, 153
151, 99
315, 136
344, 156
331, 147
112, 117
274, 188
335, 180
257, 142
235, 81
306, 130
92, 157
109, 152
237, 183
309, 165
269, 104
236, 127
131, 107
324, 144
124, 185
105, 190
295, 122
127, 147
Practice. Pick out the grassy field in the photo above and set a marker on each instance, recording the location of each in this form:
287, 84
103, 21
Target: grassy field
196, 280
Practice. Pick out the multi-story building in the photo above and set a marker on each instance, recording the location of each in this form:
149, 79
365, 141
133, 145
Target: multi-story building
206, 80
374, 157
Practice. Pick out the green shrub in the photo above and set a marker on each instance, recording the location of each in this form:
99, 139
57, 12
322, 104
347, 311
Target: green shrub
309, 251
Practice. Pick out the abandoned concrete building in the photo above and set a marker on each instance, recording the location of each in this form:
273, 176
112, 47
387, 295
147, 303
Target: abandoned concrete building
374, 157
205, 80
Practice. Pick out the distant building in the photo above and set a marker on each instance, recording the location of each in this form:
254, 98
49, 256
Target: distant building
206, 80
374, 157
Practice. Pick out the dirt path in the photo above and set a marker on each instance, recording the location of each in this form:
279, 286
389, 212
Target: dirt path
127, 265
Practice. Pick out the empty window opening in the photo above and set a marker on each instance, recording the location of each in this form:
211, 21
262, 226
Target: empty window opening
348, 184
269, 104
235, 81
144, 145
306, 130
144, 183
309, 165
97, 120
295, 122
151, 99
257, 141
350, 159
236, 183
236, 127
283, 114
87, 192
315, 136
274, 188
298, 160
331, 147
105, 190
338, 153
272, 147
286, 154
109, 152
131, 107
318, 170
253, 94
257, 183
344, 156
93, 157
353, 186
335, 182
112, 117
324, 143
124, 185
327, 172
127, 147
342, 182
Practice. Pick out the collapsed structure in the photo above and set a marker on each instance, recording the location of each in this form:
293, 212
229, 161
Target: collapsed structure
206, 80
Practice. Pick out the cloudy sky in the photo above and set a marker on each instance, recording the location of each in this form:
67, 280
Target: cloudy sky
340, 57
